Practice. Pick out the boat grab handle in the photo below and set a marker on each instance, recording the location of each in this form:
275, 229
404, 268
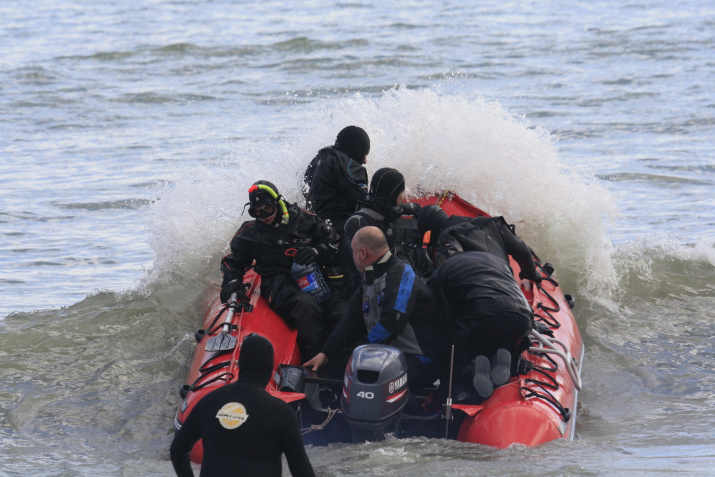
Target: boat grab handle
547, 346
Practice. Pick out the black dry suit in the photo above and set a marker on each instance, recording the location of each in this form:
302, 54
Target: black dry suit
272, 247
336, 183
244, 429
378, 210
393, 306
486, 234
483, 305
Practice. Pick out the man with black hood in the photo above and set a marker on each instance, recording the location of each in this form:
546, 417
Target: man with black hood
281, 234
336, 179
381, 208
244, 429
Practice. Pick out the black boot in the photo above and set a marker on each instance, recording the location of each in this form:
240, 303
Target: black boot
501, 367
482, 381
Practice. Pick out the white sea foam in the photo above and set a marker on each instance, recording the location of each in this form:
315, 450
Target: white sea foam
493, 158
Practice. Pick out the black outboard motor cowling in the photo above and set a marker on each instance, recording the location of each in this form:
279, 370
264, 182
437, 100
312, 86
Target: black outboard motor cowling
375, 390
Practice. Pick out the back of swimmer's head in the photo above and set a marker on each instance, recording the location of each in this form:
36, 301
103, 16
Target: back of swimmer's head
263, 192
354, 142
256, 359
431, 218
386, 186
372, 239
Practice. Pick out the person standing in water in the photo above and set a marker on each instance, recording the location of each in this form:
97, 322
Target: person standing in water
245, 430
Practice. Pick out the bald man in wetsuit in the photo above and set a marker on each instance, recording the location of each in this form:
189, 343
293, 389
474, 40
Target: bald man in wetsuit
244, 429
392, 306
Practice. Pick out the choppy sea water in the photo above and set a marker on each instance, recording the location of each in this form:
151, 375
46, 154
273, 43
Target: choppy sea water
129, 136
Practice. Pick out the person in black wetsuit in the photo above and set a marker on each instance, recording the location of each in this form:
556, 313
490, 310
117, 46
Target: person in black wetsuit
489, 333
336, 179
392, 306
244, 429
487, 316
280, 235
485, 234
381, 208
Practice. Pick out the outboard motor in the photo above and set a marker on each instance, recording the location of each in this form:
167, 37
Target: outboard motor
375, 390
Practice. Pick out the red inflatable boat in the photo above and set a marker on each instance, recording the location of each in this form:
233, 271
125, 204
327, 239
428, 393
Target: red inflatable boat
534, 407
